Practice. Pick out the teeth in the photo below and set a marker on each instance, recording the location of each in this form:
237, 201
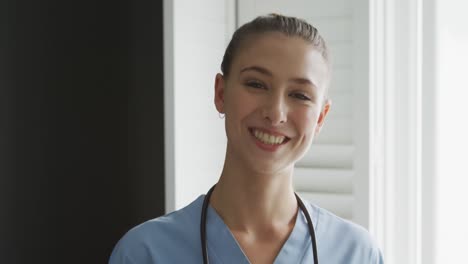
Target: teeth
268, 139
278, 140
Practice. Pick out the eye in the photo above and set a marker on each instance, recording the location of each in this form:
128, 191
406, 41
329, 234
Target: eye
300, 96
256, 84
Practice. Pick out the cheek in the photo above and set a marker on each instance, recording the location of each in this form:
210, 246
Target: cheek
238, 108
240, 104
306, 121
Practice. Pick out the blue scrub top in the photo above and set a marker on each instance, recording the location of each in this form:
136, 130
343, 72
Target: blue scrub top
175, 238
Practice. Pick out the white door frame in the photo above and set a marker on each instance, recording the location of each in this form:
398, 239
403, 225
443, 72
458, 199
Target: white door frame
396, 128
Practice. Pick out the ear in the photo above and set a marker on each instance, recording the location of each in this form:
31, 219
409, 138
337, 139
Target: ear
219, 93
323, 114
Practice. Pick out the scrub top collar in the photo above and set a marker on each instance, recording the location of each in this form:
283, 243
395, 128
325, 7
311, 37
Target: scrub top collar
222, 244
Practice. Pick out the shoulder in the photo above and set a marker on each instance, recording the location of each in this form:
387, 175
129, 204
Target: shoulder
153, 239
340, 236
333, 225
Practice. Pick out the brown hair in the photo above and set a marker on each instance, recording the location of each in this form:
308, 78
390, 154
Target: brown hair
290, 26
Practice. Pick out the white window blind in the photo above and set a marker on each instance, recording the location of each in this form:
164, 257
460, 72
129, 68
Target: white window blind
326, 175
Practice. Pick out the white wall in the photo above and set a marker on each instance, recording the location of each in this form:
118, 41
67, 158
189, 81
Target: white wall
195, 39
451, 134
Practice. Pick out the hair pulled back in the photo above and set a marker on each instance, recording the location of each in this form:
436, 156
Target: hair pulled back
290, 26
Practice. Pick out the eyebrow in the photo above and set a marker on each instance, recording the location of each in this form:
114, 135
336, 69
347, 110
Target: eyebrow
264, 71
257, 69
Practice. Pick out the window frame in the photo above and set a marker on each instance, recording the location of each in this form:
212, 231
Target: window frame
399, 196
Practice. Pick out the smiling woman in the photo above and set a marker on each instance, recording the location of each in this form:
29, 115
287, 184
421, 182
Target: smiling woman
273, 93
275, 87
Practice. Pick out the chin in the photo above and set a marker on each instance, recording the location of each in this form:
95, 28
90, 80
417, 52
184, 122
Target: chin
269, 167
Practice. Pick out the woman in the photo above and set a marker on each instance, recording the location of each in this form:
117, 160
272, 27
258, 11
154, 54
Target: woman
273, 93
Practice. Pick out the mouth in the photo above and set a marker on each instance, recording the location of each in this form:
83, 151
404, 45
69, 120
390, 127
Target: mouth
269, 138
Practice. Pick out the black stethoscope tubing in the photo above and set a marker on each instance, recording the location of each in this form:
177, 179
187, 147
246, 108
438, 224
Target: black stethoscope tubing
206, 201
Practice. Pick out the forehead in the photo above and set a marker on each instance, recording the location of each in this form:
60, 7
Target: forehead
284, 56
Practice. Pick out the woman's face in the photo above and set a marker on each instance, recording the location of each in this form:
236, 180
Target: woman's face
273, 101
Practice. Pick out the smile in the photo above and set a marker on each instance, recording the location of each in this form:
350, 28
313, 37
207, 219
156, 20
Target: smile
267, 138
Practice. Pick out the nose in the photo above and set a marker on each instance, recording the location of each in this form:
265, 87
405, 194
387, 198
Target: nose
275, 110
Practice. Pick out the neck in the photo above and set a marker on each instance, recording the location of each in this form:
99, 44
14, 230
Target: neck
255, 202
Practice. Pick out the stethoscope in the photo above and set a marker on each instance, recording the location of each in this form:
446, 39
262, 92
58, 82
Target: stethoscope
203, 226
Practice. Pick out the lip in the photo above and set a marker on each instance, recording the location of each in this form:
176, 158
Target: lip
268, 147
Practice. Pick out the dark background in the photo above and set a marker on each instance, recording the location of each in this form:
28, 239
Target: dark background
81, 126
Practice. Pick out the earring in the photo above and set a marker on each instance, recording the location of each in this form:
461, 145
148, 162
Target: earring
221, 115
